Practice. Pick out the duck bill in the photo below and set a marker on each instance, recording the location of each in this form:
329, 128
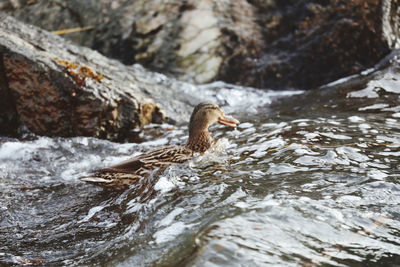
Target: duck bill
228, 121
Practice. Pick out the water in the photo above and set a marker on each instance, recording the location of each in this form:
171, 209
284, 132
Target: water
307, 180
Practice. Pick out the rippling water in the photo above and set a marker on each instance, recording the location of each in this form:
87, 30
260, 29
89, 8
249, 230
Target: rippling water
309, 180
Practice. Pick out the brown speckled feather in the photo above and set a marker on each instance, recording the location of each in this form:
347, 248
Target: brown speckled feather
131, 171
128, 172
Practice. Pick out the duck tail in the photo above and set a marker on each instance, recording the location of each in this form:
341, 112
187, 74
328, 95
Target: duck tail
95, 180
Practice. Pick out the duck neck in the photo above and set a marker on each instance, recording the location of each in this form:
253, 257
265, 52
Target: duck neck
199, 141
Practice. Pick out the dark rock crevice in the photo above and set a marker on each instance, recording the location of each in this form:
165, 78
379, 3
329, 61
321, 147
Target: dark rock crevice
9, 121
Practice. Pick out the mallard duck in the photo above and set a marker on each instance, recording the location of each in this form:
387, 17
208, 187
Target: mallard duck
121, 175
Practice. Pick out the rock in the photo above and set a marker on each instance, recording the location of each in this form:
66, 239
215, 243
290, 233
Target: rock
8, 115
261, 43
375, 87
191, 40
314, 42
55, 88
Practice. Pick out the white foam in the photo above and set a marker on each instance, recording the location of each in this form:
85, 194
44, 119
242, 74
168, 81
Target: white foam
396, 154
234, 98
396, 115
77, 167
369, 92
375, 106
285, 168
355, 119
388, 83
261, 149
336, 136
164, 185
22, 150
303, 124
304, 151
349, 199
217, 153
364, 126
245, 125
394, 109
300, 120
331, 158
377, 174
83, 140
169, 233
91, 213
352, 153
170, 217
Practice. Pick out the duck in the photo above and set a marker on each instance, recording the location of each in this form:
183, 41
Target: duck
122, 175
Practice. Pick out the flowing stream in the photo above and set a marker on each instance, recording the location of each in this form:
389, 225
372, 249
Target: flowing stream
307, 179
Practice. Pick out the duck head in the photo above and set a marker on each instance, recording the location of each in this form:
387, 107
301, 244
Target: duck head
203, 116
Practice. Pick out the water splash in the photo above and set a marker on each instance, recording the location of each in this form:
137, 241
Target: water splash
316, 185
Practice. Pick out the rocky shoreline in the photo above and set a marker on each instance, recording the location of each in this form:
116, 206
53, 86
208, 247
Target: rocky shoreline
263, 44
57, 88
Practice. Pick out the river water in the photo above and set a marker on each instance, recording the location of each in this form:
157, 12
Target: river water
307, 179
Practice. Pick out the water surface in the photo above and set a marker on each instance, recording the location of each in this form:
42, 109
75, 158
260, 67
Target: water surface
306, 180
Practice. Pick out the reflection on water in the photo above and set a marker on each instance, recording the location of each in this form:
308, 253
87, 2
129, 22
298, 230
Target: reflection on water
310, 185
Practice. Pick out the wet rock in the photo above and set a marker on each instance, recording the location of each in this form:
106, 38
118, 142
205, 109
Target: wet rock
191, 40
375, 88
315, 42
56, 88
266, 44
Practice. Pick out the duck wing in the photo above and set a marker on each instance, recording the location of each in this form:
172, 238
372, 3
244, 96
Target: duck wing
130, 171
